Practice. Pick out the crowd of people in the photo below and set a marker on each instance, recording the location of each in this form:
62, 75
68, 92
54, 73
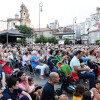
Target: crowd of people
81, 61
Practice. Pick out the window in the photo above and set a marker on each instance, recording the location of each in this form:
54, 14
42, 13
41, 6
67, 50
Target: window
49, 32
60, 37
97, 35
13, 24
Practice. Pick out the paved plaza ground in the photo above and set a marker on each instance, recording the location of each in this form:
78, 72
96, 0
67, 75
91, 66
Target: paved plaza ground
42, 83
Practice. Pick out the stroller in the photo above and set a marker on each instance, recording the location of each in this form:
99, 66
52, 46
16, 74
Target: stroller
69, 82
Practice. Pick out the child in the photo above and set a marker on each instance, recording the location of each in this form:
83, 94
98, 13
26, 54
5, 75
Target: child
84, 66
78, 93
33, 90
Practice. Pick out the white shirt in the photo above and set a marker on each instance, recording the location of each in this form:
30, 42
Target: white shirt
24, 58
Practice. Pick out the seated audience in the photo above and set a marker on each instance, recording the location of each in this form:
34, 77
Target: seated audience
13, 90
87, 95
35, 61
75, 66
34, 90
78, 93
96, 89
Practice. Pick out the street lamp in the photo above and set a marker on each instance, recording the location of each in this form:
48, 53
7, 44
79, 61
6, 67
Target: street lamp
40, 10
74, 21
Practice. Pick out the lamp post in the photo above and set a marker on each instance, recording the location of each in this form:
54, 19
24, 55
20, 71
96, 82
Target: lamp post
74, 21
40, 10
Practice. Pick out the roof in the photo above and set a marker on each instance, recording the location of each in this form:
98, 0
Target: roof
13, 19
97, 24
13, 32
96, 30
67, 30
55, 30
2, 21
42, 29
3, 31
84, 35
63, 33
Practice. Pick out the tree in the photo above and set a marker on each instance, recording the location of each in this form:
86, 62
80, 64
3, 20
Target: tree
21, 41
97, 41
25, 30
52, 40
43, 39
66, 41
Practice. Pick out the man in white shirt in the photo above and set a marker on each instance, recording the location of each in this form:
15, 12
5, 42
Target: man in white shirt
75, 66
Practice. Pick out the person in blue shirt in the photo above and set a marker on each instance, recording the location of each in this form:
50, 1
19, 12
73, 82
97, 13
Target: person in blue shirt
13, 90
35, 62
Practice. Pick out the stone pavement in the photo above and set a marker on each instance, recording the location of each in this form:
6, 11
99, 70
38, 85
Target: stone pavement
43, 82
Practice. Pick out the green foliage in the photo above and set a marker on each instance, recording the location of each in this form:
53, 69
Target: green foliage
21, 41
52, 40
97, 41
24, 29
66, 41
43, 39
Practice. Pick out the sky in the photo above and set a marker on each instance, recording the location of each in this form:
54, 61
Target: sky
62, 10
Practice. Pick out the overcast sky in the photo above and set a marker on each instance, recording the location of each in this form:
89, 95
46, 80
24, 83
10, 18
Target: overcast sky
62, 10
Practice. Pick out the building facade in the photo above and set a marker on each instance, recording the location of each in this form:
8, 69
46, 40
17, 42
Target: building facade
3, 25
62, 33
22, 20
47, 32
94, 33
82, 30
54, 25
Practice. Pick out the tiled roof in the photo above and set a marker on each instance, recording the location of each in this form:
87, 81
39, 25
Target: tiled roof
2, 21
95, 30
42, 29
97, 24
55, 30
67, 30
3, 31
63, 33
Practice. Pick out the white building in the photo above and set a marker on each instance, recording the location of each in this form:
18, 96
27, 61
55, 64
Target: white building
83, 29
62, 33
47, 32
94, 33
3, 25
54, 25
22, 20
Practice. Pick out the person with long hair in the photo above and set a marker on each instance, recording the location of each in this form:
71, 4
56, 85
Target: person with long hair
78, 93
